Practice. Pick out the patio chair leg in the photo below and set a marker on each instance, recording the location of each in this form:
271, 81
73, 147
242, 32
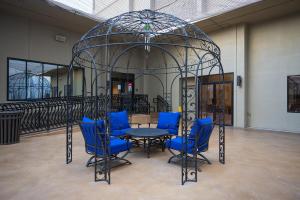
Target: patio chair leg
126, 162
90, 162
121, 159
174, 156
199, 170
172, 152
170, 159
162, 143
205, 159
148, 147
115, 158
123, 156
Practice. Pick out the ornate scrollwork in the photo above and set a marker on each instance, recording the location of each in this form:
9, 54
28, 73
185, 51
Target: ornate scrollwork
222, 144
190, 50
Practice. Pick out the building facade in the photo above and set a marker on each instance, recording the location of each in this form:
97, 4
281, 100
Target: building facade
258, 54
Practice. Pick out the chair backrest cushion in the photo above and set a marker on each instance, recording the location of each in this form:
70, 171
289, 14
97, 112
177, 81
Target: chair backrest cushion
100, 123
168, 120
89, 131
118, 120
203, 128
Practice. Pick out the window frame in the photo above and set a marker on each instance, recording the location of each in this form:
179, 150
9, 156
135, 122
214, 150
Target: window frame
287, 92
26, 84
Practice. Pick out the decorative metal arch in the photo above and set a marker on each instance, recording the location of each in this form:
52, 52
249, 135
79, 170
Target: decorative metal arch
149, 33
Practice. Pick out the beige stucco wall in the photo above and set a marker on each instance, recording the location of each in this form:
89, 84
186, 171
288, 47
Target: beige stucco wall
27, 39
274, 54
263, 54
233, 43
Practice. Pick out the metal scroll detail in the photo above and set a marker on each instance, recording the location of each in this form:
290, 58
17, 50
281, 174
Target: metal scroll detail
222, 143
69, 132
189, 162
47, 114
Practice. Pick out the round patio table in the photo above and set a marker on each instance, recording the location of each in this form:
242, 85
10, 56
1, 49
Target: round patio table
149, 134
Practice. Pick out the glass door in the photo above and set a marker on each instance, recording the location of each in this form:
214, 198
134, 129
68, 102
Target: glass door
207, 101
228, 102
210, 96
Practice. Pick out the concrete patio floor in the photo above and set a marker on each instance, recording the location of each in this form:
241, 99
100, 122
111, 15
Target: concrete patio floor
259, 165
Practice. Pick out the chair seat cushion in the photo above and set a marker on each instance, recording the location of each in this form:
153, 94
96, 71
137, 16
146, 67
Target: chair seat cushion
116, 146
176, 144
118, 133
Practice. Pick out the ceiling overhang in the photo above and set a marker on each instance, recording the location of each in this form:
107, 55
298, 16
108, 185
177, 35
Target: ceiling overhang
42, 11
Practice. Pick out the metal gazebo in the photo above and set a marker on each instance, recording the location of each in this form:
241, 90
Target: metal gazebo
149, 44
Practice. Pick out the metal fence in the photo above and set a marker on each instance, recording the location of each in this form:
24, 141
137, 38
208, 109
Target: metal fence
161, 104
47, 114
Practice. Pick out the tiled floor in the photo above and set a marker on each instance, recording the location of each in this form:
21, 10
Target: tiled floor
259, 165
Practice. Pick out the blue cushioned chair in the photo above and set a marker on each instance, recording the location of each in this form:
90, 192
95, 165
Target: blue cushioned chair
169, 121
198, 140
93, 132
119, 123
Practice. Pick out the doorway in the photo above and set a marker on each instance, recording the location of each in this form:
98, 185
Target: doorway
122, 90
122, 83
211, 97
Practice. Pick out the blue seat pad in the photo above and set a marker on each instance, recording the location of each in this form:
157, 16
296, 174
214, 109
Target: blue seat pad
116, 146
176, 144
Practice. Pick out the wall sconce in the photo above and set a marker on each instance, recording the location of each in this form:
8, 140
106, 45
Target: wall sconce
60, 38
239, 81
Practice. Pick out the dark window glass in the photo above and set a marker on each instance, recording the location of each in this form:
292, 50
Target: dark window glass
293, 89
50, 81
35, 80
67, 88
16, 80
77, 85
62, 80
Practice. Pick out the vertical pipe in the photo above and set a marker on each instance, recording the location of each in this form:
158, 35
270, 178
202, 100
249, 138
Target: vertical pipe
185, 110
222, 120
108, 104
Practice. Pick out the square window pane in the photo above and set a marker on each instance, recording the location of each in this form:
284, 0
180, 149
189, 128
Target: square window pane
294, 93
77, 85
34, 80
50, 81
16, 80
62, 80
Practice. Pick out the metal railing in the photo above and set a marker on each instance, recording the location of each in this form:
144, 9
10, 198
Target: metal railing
47, 114
161, 104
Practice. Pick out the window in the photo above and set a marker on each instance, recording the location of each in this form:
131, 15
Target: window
16, 80
293, 89
35, 80
29, 80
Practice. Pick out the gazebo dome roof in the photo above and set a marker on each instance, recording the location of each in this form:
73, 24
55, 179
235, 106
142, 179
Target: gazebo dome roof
148, 21
143, 26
